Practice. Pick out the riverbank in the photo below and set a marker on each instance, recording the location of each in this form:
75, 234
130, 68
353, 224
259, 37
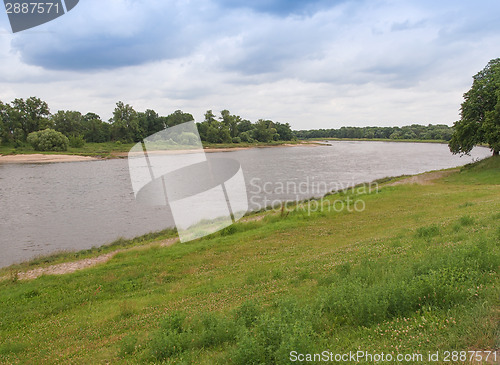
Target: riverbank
39, 158
414, 272
60, 264
109, 150
91, 153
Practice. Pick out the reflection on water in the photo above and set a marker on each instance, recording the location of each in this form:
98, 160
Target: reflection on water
72, 206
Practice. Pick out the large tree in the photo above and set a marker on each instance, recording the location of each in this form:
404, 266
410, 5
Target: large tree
95, 129
178, 117
480, 113
69, 123
125, 124
28, 116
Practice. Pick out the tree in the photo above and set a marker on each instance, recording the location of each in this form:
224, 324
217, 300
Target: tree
480, 113
125, 124
94, 129
68, 122
284, 132
217, 132
5, 132
28, 116
264, 131
151, 122
231, 121
244, 125
209, 117
178, 117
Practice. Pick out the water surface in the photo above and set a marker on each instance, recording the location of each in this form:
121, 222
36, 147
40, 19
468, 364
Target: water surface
46, 208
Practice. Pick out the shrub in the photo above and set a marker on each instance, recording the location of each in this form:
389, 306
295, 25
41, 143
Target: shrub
466, 220
76, 141
48, 140
236, 140
246, 137
247, 313
428, 232
128, 345
215, 330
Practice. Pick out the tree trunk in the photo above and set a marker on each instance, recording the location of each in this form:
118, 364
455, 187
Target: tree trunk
495, 153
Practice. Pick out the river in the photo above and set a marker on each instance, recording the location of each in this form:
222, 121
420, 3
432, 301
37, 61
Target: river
45, 208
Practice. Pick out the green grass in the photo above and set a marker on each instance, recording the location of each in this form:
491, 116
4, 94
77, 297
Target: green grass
416, 271
106, 149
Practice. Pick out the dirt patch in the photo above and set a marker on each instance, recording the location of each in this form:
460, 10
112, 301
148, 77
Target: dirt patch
70, 267
252, 218
169, 242
66, 267
427, 178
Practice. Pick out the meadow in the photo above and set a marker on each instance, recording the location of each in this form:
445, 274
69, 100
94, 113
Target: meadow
415, 272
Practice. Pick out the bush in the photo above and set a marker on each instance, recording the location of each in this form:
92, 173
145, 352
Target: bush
428, 232
236, 140
76, 141
128, 345
48, 140
177, 334
246, 137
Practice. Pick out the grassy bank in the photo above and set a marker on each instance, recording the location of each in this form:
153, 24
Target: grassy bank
107, 149
415, 271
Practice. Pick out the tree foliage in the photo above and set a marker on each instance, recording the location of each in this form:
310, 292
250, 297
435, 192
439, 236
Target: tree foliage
48, 140
22, 117
26, 116
69, 123
480, 112
414, 131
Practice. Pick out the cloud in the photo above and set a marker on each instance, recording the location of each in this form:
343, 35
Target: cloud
313, 64
117, 33
112, 34
281, 7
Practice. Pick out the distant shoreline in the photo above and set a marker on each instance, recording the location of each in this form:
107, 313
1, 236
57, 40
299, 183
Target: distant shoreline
31, 158
439, 141
34, 158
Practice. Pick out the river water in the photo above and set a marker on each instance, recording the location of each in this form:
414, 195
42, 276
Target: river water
45, 208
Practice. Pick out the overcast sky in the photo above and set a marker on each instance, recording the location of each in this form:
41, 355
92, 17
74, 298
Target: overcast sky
314, 64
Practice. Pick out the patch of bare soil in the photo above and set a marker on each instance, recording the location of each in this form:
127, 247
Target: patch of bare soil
70, 267
169, 242
65, 267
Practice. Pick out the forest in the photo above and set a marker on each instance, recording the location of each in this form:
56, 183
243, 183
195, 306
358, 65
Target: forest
20, 118
414, 131
30, 122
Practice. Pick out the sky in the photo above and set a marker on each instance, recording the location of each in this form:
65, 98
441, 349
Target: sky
314, 64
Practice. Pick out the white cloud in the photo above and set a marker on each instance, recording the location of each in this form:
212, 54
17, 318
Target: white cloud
356, 63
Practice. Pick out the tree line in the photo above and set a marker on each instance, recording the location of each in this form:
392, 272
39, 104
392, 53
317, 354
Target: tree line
414, 131
20, 118
479, 123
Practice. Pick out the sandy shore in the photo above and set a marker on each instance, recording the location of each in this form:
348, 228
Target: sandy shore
39, 158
